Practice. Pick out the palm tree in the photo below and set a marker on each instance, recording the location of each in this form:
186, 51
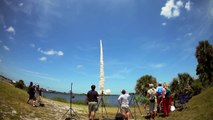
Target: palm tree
204, 55
143, 84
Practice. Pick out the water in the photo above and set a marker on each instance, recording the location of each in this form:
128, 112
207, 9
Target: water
110, 100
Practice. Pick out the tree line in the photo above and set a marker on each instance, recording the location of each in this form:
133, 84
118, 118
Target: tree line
184, 82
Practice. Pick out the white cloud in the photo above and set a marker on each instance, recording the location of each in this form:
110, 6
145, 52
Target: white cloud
80, 66
51, 52
43, 59
188, 34
11, 38
21, 4
11, 30
164, 24
171, 9
157, 65
33, 72
179, 3
6, 48
32, 45
187, 6
38, 74
107, 91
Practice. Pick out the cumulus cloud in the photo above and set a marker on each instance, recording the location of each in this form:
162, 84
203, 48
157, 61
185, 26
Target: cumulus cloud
6, 48
51, 52
187, 6
43, 59
164, 24
171, 9
11, 30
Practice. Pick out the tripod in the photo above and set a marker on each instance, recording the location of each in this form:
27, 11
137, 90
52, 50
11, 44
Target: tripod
103, 106
73, 114
135, 103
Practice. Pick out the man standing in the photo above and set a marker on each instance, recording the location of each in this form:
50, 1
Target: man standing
92, 98
151, 94
159, 96
123, 100
31, 92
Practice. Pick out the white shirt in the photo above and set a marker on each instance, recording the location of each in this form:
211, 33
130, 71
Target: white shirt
123, 99
152, 91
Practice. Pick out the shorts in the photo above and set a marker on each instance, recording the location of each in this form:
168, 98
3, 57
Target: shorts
152, 106
124, 108
92, 106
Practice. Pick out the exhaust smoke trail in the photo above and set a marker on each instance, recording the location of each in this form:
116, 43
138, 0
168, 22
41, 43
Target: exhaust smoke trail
101, 82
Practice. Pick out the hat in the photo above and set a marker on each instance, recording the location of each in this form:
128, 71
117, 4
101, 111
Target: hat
160, 83
151, 85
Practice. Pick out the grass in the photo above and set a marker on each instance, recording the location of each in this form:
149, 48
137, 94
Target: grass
14, 100
200, 107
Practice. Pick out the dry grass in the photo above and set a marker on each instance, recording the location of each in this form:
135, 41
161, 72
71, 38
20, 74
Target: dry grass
13, 106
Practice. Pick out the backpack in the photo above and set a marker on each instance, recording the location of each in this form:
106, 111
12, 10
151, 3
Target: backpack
168, 92
159, 90
152, 96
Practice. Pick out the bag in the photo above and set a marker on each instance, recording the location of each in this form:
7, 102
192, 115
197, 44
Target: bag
168, 92
118, 116
152, 97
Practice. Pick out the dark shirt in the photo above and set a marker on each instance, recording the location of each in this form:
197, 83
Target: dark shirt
92, 96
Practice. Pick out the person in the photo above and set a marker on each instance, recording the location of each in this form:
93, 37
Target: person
31, 92
151, 94
167, 100
159, 96
37, 94
124, 102
92, 98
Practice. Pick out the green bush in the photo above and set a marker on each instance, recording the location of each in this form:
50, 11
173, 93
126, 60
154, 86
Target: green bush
197, 87
20, 84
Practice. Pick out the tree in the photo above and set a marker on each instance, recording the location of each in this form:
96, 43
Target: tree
174, 86
197, 87
182, 83
143, 84
204, 55
20, 84
185, 81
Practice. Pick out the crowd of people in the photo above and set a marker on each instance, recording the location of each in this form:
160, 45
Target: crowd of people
34, 95
160, 100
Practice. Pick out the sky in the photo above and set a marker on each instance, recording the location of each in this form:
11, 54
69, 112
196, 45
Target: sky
54, 43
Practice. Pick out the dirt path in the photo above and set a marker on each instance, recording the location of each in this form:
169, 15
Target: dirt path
55, 111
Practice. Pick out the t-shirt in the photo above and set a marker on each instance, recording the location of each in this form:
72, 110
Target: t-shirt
152, 93
123, 99
92, 96
159, 90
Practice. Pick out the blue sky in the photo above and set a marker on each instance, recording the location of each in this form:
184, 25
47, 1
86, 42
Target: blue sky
56, 42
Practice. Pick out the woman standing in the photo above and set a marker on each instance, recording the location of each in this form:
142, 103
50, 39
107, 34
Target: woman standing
124, 102
167, 99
